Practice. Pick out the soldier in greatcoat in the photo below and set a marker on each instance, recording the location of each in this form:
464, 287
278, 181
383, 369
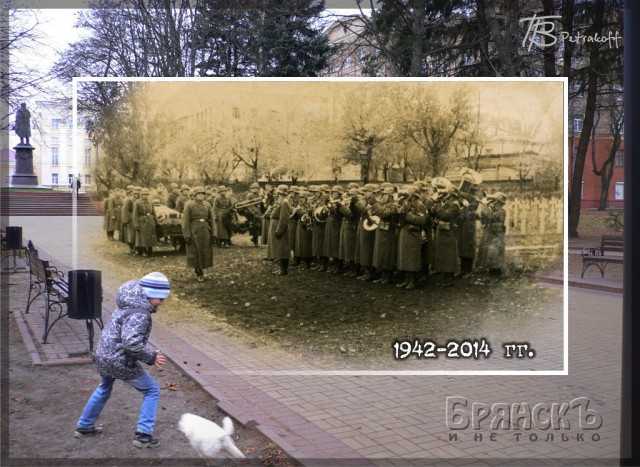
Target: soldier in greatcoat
173, 195
144, 222
492, 243
304, 235
414, 217
447, 212
253, 214
332, 230
183, 198
197, 227
279, 246
269, 198
133, 194
467, 238
383, 254
427, 249
223, 215
366, 238
294, 200
348, 230
318, 205
108, 223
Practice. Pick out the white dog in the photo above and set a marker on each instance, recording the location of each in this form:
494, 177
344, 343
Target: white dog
207, 438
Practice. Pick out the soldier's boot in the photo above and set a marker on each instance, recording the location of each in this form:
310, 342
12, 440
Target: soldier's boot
296, 261
347, 269
307, 263
386, 278
447, 279
466, 266
404, 279
149, 251
284, 267
329, 265
411, 281
337, 269
356, 271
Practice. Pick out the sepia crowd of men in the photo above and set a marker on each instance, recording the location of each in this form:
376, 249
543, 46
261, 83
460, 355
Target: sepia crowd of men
379, 233
385, 233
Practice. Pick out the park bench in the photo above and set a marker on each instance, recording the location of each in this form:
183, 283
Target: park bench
610, 251
47, 281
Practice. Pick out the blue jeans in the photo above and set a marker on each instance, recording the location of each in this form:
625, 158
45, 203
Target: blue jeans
145, 384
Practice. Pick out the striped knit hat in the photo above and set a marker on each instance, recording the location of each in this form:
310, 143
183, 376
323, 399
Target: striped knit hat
155, 285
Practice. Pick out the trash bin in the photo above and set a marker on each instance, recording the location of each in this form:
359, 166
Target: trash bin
13, 238
85, 294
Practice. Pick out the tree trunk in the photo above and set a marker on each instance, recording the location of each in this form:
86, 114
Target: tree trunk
590, 109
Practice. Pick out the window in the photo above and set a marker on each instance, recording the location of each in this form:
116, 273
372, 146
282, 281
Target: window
54, 178
54, 155
70, 181
577, 125
619, 190
55, 141
87, 179
619, 158
55, 122
87, 156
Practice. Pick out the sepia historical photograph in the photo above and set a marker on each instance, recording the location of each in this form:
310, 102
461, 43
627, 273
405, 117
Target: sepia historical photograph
376, 225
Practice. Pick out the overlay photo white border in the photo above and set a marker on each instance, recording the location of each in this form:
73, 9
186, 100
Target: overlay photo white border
565, 283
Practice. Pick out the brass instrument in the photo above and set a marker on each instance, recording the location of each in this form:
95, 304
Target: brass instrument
306, 220
371, 223
248, 202
321, 214
469, 178
296, 212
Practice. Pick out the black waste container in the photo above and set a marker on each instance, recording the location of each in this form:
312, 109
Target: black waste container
14, 238
85, 294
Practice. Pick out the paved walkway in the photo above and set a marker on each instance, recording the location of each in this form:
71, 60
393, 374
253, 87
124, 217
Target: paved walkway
378, 419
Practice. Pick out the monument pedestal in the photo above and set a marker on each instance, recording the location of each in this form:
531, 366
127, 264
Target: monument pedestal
24, 166
24, 180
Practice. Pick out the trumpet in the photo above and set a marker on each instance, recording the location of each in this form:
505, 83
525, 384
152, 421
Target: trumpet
295, 212
248, 202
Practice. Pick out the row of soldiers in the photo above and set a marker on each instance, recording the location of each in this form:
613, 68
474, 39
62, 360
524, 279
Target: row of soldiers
376, 232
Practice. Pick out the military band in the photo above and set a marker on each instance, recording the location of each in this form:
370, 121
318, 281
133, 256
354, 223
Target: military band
381, 233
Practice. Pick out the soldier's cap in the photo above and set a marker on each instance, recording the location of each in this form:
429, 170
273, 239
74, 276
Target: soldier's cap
413, 191
440, 183
184, 187
313, 188
137, 190
384, 185
144, 191
498, 196
282, 189
325, 187
353, 185
420, 184
199, 189
255, 185
173, 185
155, 202
130, 187
337, 189
294, 189
303, 193
354, 191
389, 190
222, 188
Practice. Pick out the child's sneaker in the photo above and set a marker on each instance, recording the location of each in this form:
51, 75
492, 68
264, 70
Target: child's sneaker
84, 432
143, 440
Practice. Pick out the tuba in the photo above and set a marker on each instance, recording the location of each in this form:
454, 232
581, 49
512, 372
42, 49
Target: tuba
371, 223
469, 178
321, 214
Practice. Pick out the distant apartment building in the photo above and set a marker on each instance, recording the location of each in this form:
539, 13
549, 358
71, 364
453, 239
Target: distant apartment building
54, 158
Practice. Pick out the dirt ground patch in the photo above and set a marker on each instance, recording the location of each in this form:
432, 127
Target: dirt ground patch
45, 403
